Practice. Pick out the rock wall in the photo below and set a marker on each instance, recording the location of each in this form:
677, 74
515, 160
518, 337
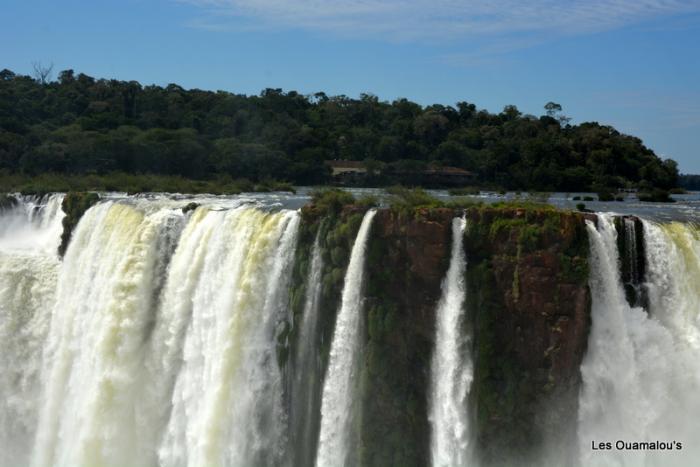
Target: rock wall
630, 245
528, 306
407, 260
529, 303
74, 205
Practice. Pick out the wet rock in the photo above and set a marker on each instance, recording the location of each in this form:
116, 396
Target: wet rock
530, 307
7, 202
74, 205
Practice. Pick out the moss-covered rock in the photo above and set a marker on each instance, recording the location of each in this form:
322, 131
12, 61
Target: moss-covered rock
334, 223
406, 261
74, 205
528, 309
529, 305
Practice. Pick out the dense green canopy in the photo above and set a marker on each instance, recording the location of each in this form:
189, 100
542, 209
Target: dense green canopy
80, 125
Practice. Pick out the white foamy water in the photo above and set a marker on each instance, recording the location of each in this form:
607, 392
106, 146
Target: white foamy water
641, 375
452, 368
29, 237
340, 386
157, 341
154, 342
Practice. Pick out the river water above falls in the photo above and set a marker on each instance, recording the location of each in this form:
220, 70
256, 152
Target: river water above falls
238, 333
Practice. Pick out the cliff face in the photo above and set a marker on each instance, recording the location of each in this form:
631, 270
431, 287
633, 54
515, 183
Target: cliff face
630, 245
74, 205
530, 307
407, 259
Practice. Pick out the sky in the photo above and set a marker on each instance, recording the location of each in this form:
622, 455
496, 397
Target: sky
633, 64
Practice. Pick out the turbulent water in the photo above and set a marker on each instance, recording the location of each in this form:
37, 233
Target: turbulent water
153, 342
452, 371
641, 375
29, 268
160, 339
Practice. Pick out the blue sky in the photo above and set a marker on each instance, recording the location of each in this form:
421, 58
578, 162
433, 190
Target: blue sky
634, 64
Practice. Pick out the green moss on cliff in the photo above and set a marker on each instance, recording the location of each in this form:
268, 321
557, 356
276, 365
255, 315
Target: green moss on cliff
334, 220
527, 304
527, 277
407, 257
74, 205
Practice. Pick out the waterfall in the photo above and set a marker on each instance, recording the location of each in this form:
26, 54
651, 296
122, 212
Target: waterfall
29, 236
339, 390
306, 379
32, 225
227, 400
161, 339
100, 321
640, 374
452, 369
154, 342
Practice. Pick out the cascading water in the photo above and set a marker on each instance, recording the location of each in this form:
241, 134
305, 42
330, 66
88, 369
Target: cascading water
452, 368
305, 391
32, 225
339, 390
158, 333
227, 401
29, 236
95, 344
161, 339
640, 375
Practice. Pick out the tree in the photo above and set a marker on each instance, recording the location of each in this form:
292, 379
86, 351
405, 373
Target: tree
554, 111
552, 108
6, 75
42, 74
81, 125
510, 112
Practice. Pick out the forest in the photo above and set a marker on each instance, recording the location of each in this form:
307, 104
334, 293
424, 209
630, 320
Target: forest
77, 125
689, 182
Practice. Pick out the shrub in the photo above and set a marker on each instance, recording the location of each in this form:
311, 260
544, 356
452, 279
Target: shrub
331, 200
404, 199
657, 195
368, 201
605, 196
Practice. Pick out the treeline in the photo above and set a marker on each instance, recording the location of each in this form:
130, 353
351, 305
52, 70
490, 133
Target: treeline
689, 182
77, 124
